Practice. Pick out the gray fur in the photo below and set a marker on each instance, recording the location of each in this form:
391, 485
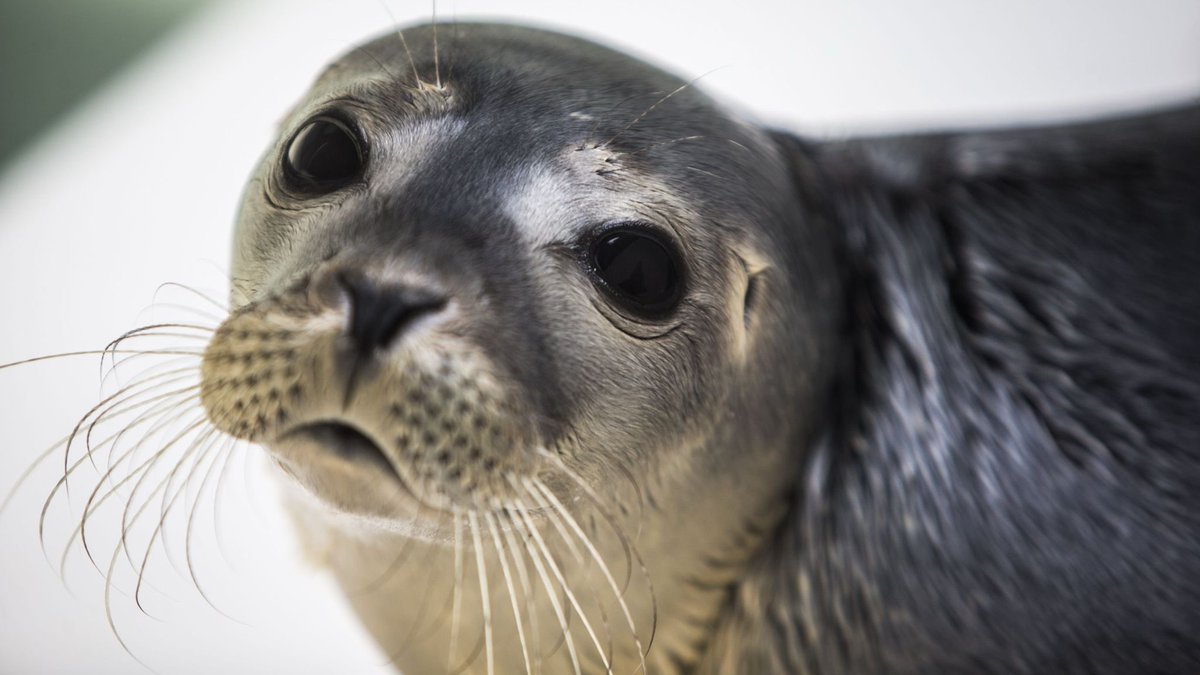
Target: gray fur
929, 404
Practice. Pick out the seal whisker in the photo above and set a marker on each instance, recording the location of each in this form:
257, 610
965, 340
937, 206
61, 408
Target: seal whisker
97, 500
657, 103
224, 307
619, 532
128, 358
494, 529
555, 605
673, 141
437, 69
221, 454
631, 551
115, 409
518, 561
397, 562
222, 548
641, 502
170, 401
144, 380
618, 593
205, 314
178, 397
453, 43
92, 352
116, 342
404, 43
168, 501
476, 650
108, 608
485, 591
363, 49
556, 571
142, 472
583, 562
456, 613
163, 404
414, 631
173, 364
122, 545
602, 118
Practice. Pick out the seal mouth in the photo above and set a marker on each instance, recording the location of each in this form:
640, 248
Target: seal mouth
346, 442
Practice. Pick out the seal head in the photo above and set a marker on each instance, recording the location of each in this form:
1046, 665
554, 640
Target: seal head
532, 312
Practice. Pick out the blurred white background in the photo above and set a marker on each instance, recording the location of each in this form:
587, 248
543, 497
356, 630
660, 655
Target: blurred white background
140, 185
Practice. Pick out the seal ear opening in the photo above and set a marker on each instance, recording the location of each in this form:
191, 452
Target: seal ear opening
749, 297
753, 269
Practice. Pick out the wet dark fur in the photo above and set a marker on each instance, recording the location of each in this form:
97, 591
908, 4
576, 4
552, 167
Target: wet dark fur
1011, 479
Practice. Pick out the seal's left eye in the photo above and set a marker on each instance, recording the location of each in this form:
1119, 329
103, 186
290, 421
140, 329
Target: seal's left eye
323, 156
638, 269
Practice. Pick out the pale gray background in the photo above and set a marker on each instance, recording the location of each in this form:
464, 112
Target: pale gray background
140, 185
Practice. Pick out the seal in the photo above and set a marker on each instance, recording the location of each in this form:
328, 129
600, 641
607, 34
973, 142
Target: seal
571, 369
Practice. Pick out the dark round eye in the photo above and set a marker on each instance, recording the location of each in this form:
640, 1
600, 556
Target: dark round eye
323, 156
638, 269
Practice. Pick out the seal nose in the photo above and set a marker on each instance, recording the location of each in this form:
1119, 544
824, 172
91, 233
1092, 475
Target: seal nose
379, 313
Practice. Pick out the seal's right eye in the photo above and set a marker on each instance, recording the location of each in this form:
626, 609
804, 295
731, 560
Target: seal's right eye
323, 156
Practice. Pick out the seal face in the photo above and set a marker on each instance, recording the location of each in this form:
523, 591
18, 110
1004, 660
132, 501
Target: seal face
573, 370
504, 323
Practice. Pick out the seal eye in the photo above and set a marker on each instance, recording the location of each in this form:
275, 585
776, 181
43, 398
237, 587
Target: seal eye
638, 269
323, 156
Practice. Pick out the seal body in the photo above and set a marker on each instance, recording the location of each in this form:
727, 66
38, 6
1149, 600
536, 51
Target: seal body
572, 370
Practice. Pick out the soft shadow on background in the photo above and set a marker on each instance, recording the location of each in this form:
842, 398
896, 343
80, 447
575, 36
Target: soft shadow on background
129, 127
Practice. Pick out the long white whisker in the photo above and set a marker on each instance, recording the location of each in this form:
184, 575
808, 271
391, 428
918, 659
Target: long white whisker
93, 352
401, 557
437, 68
580, 560
216, 504
523, 579
169, 499
484, 592
196, 292
630, 551
222, 454
617, 593
403, 43
557, 572
162, 403
142, 472
93, 503
119, 398
413, 632
535, 558
50, 452
494, 529
654, 105
456, 613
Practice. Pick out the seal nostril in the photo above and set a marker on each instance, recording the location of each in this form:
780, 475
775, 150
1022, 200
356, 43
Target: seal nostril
379, 313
